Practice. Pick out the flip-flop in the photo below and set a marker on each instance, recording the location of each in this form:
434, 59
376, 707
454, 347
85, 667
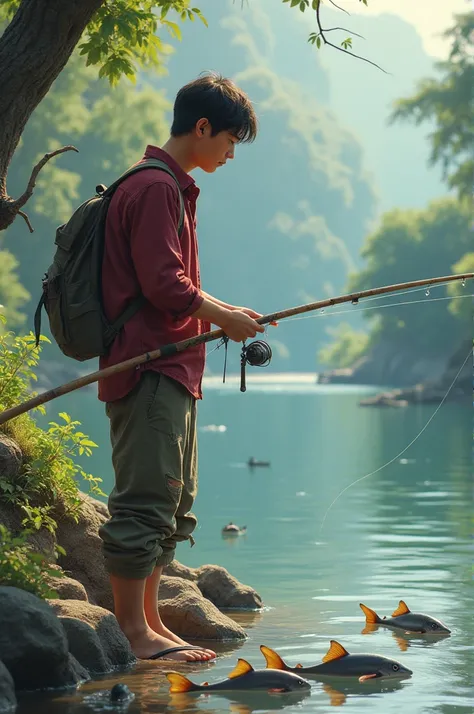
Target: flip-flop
163, 653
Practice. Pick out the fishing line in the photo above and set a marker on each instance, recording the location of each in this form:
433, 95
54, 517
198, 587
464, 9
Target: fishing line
372, 473
379, 307
360, 309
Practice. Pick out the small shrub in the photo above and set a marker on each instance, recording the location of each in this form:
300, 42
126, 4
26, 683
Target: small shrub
21, 567
49, 471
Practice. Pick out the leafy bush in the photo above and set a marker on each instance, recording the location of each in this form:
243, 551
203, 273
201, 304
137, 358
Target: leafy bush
49, 472
21, 567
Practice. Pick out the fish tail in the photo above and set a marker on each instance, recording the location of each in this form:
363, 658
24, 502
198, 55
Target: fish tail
371, 616
179, 683
273, 659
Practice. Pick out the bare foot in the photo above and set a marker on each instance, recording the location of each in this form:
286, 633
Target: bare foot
146, 643
157, 626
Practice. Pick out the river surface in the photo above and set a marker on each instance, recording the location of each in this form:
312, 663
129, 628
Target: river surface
404, 532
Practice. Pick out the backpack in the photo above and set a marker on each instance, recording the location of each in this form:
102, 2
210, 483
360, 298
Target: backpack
72, 291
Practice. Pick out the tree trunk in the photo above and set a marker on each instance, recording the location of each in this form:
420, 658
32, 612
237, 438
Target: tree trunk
34, 48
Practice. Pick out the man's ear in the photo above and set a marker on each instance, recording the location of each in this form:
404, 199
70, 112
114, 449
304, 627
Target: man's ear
202, 125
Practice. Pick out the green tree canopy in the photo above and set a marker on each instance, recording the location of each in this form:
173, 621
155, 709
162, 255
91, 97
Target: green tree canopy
412, 245
448, 102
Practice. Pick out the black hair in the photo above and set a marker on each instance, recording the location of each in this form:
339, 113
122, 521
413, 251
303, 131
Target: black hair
220, 101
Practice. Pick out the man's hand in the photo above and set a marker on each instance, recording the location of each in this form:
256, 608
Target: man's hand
251, 313
239, 325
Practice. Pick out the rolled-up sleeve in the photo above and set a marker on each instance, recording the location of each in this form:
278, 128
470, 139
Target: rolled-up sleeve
157, 253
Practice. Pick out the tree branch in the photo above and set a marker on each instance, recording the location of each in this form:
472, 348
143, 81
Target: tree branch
321, 35
34, 174
10, 208
23, 215
339, 8
343, 29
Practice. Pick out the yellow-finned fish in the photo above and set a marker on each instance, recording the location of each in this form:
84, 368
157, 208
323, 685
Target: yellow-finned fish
243, 677
403, 619
339, 663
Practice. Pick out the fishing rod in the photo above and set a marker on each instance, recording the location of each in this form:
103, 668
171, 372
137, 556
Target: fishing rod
176, 347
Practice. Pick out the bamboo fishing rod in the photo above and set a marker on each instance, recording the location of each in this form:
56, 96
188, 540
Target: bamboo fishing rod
176, 347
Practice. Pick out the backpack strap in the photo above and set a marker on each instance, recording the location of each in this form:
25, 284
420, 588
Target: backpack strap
151, 164
140, 300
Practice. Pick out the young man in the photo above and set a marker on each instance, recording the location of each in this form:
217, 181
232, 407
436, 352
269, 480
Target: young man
152, 409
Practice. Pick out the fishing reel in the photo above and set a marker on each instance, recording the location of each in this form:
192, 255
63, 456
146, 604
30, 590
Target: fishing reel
256, 354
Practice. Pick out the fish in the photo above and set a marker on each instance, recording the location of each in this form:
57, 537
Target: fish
242, 677
402, 618
338, 662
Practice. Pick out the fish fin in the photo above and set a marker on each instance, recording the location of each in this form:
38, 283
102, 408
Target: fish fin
368, 629
205, 684
299, 666
402, 609
273, 659
371, 616
365, 677
336, 697
179, 683
242, 667
336, 651
275, 689
403, 644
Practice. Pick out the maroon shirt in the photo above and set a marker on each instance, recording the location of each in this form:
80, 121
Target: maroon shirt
143, 253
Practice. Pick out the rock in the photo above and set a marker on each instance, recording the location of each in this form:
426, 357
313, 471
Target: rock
120, 693
11, 458
33, 643
180, 571
66, 588
193, 616
83, 546
385, 399
170, 587
7, 691
103, 632
85, 646
41, 541
225, 591
218, 585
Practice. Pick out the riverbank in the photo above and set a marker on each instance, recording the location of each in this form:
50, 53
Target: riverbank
421, 382
60, 641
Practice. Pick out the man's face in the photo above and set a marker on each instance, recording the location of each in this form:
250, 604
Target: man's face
213, 151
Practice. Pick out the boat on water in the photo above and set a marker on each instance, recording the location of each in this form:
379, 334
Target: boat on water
252, 463
231, 530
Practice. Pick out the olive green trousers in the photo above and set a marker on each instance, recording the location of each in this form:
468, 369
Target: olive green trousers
154, 454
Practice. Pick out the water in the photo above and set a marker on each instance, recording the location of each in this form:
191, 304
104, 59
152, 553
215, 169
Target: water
404, 533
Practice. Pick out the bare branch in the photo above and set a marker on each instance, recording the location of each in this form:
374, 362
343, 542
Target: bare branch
339, 8
27, 220
341, 49
343, 29
34, 175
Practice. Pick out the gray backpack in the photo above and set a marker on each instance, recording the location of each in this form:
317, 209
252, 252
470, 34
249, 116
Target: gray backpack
72, 291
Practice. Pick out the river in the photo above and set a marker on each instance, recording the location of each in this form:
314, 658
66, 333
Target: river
402, 533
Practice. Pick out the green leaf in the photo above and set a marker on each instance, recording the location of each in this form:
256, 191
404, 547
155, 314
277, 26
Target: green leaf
173, 28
